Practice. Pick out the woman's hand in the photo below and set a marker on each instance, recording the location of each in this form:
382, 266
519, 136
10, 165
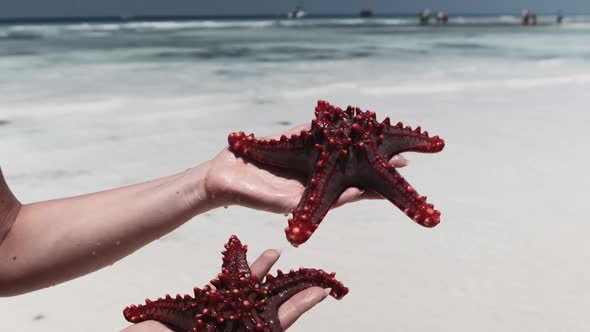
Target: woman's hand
105, 226
289, 312
234, 181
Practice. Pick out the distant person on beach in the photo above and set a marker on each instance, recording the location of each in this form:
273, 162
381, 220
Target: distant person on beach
46, 243
526, 17
424, 16
529, 18
559, 18
441, 17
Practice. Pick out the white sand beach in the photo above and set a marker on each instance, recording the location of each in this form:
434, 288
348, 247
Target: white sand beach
510, 254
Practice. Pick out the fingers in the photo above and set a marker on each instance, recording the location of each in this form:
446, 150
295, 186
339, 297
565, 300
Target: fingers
398, 161
348, 196
264, 262
299, 304
296, 306
147, 326
355, 194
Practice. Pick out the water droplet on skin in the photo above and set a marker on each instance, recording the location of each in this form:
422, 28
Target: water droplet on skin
118, 243
93, 253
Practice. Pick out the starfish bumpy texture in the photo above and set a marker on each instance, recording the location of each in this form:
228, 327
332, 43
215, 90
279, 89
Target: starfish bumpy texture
343, 149
239, 301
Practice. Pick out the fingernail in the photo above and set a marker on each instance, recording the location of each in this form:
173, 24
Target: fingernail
328, 291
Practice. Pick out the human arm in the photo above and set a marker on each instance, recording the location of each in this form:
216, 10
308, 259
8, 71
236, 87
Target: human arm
58, 240
46, 243
288, 313
9, 207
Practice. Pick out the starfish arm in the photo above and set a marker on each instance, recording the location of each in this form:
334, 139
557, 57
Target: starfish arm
287, 153
235, 264
397, 139
298, 280
178, 312
250, 306
386, 181
285, 286
322, 190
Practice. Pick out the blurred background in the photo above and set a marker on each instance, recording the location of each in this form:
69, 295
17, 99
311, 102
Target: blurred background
95, 95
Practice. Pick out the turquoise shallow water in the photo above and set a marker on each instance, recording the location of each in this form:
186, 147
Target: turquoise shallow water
90, 106
61, 60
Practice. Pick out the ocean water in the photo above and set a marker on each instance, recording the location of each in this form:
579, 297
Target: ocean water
264, 58
87, 106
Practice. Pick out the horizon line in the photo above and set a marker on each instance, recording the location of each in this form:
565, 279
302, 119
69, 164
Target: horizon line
125, 17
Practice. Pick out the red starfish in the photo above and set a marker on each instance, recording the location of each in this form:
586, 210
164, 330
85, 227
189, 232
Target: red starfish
343, 149
239, 302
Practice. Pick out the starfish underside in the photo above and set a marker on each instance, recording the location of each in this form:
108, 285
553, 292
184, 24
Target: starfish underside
342, 149
238, 301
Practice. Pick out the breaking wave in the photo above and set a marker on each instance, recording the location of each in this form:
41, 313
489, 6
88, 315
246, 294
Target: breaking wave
24, 31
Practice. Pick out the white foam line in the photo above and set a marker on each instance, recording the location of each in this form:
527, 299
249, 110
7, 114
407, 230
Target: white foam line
448, 87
